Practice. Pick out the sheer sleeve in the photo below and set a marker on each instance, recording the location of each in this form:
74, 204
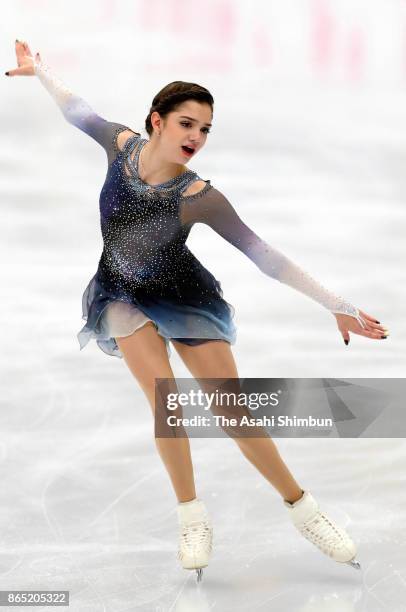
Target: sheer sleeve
211, 207
77, 111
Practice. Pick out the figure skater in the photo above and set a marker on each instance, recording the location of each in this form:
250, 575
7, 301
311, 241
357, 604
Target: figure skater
149, 288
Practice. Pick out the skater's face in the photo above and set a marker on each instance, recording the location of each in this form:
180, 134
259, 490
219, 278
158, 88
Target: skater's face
188, 126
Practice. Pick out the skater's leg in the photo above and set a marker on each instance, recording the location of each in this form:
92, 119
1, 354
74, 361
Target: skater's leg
145, 354
215, 360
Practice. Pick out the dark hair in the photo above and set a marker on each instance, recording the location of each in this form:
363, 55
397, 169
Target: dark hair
172, 95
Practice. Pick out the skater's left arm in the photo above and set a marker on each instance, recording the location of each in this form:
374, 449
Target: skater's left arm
215, 210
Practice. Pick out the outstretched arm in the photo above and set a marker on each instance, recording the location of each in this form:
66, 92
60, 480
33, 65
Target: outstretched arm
214, 209
75, 110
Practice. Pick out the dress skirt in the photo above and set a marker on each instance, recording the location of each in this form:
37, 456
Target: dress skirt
108, 317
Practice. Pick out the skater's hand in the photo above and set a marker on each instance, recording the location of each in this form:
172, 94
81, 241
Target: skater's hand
372, 329
25, 60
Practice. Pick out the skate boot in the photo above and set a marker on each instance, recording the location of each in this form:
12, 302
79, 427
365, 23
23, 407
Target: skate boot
195, 536
321, 531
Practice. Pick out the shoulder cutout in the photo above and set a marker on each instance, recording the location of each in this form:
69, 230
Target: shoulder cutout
194, 188
124, 136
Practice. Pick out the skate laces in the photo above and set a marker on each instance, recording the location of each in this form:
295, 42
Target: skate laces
196, 533
322, 532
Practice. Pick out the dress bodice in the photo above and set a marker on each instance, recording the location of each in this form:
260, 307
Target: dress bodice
144, 239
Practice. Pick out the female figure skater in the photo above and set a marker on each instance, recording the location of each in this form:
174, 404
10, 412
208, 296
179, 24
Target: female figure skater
149, 288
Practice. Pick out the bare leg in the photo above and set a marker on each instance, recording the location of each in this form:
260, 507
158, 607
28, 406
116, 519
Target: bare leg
264, 455
215, 360
145, 354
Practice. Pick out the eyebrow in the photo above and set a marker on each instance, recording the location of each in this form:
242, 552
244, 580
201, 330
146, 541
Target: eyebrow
191, 119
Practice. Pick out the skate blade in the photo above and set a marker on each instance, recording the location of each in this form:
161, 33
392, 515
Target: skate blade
354, 564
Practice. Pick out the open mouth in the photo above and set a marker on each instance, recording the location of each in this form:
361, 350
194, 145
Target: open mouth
187, 150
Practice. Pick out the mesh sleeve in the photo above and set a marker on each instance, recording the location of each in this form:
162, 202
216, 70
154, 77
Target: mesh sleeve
77, 111
215, 210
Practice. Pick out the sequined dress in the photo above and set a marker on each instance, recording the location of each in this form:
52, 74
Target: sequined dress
146, 272
146, 265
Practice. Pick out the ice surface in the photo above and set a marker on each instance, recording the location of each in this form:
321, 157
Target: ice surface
317, 169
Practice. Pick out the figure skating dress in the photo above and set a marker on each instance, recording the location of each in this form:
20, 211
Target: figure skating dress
146, 272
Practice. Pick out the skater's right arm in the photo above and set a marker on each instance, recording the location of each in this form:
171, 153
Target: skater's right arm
75, 110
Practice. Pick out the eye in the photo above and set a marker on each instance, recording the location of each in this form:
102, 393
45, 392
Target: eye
187, 124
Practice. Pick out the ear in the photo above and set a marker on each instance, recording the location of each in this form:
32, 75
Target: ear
156, 120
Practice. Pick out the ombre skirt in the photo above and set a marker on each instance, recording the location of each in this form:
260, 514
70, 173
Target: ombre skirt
111, 316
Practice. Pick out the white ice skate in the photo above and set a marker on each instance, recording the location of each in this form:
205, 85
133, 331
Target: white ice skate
321, 531
195, 536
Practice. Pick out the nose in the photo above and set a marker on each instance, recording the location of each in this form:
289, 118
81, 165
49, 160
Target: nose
195, 138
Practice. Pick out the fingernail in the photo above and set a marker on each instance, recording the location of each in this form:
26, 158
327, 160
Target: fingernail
346, 342
6, 73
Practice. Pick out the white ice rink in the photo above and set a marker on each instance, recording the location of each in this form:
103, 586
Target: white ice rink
309, 144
